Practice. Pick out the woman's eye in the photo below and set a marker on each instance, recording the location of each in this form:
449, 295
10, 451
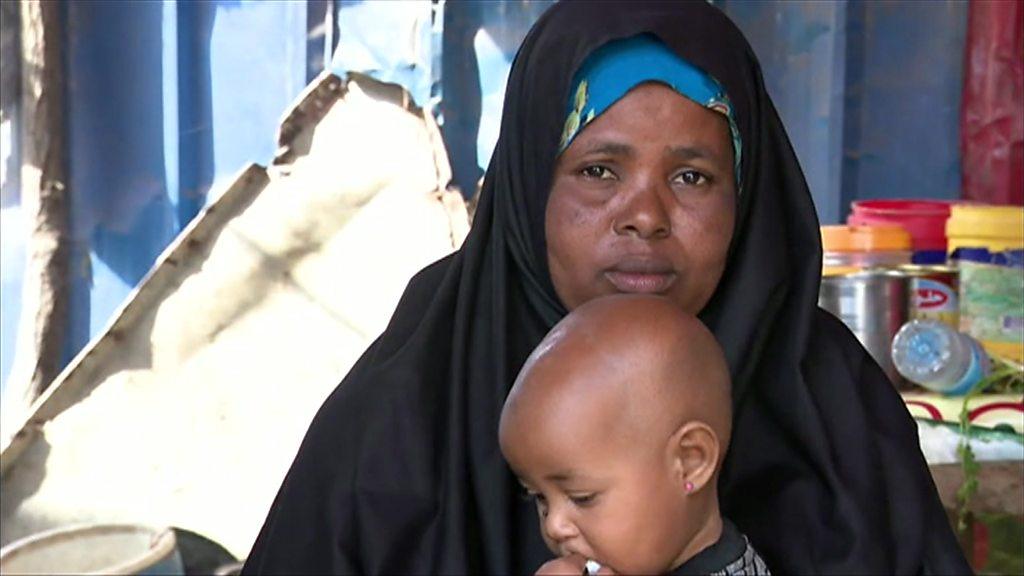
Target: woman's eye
692, 178
597, 172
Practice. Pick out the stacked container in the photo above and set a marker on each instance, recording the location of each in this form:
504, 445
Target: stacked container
925, 220
987, 243
853, 248
862, 286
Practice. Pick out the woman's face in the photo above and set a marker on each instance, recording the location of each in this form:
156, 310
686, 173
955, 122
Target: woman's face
643, 200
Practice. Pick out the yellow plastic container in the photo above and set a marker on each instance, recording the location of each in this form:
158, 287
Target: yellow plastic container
997, 228
990, 296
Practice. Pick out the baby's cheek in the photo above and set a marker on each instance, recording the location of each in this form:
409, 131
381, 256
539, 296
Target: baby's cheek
634, 539
614, 541
552, 547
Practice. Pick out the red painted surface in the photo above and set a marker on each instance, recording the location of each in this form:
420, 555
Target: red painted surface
992, 109
1018, 406
932, 410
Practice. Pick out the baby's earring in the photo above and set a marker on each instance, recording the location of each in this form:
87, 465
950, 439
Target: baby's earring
688, 486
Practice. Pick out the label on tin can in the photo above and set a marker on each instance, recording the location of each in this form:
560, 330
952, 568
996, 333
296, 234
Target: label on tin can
934, 299
993, 307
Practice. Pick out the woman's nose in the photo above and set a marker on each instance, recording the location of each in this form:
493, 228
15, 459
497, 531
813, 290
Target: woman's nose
644, 214
558, 526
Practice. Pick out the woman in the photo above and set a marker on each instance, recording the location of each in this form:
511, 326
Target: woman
400, 470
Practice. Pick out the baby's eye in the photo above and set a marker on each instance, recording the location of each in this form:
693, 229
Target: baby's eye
542, 504
597, 172
582, 500
531, 496
692, 178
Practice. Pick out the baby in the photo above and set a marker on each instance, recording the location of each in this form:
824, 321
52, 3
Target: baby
617, 426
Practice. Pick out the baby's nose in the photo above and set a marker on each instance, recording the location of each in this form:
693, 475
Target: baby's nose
558, 526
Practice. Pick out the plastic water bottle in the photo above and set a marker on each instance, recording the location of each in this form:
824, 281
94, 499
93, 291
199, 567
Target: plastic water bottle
934, 355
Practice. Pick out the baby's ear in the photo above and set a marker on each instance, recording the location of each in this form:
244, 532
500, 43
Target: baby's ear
695, 451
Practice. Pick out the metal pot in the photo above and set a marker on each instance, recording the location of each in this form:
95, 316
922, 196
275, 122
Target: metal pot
873, 303
95, 549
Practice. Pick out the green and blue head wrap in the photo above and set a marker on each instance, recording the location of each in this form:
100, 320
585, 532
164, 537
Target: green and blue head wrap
619, 66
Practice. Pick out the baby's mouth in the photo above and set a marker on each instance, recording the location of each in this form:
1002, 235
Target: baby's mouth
591, 566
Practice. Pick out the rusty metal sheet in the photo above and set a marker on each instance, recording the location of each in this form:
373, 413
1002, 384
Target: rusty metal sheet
189, 408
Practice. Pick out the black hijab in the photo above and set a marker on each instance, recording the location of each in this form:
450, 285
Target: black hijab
400, 470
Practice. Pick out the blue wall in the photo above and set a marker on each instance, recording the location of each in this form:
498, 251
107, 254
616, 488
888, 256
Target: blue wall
802, 49
166, 101
869, 93
904, 79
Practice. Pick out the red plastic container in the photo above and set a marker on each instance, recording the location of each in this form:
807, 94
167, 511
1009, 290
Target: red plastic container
925, 220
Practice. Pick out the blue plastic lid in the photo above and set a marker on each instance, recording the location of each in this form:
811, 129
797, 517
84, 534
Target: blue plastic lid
1008, 258
929, 257
972, 255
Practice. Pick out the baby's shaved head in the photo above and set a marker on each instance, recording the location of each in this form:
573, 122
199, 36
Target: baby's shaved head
617, 426
636, 364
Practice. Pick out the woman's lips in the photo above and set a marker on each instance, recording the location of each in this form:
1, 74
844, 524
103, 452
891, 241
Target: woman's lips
642, 283
641, 276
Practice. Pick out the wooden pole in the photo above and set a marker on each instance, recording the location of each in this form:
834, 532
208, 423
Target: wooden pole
45, 200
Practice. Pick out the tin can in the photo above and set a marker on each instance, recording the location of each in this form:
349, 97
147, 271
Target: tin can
934, 293
873, 304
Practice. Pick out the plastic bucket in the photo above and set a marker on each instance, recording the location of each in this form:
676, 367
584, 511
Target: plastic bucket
987, 241
996, 228
925, 220
851, 248
95, 549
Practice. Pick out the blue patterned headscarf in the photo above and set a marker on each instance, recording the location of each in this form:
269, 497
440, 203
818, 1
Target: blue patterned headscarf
617, 67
